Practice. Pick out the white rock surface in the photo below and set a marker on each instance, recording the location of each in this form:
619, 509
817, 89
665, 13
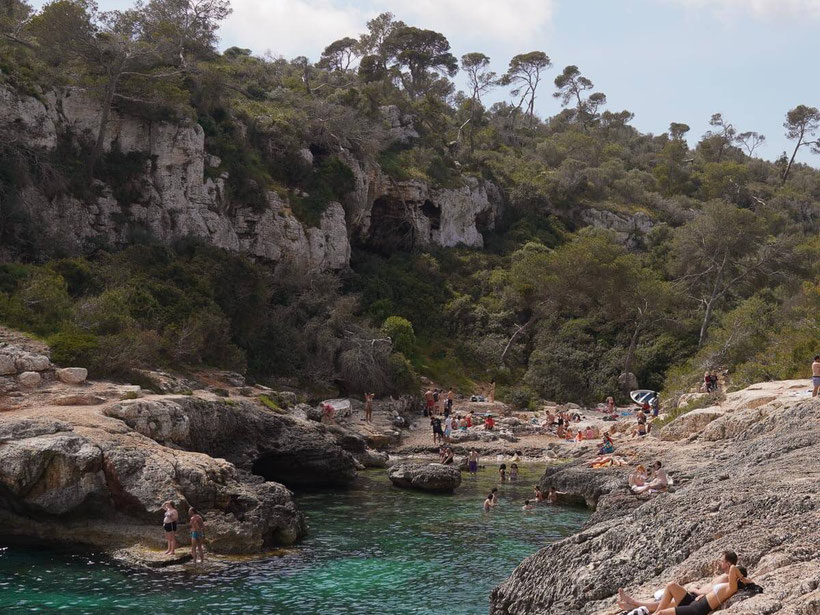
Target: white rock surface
27, 362
29, 379
72, 375
176, 200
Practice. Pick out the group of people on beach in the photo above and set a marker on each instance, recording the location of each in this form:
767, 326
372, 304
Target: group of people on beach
196, 523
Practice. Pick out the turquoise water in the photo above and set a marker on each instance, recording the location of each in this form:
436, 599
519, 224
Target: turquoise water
373, 549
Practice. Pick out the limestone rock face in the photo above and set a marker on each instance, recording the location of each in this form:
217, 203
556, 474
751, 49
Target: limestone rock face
628, 228
690, 423
433, 477
29, 380
389, 215
277, 447
106, 487
755, 492
174, 198
72, 375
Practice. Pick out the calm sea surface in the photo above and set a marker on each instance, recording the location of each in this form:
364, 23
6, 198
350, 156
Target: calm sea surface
372, 549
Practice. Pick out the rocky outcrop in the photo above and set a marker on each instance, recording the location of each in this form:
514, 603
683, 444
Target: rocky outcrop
433, 477
690, 423
172, 199
751, 487
104, 484
182, 193
272, 445
387, 214
629, 228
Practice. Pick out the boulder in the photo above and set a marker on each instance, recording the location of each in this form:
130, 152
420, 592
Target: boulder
29, 380
29, 362
7, 366
433, 477
690, 423
106, 487
72, 375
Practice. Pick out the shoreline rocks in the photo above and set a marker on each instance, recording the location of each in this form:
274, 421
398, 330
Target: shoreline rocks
750, 486
104, 485
275, 446
432, 477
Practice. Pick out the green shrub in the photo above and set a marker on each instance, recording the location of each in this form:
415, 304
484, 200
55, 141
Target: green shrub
400, 331
75, 348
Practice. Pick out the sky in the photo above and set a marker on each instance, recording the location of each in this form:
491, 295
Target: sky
663, 60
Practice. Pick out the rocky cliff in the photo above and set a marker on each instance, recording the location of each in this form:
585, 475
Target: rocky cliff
80, 464
745, 480
174, 196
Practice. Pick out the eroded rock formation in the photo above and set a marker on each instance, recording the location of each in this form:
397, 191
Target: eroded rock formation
181, 193
748, 481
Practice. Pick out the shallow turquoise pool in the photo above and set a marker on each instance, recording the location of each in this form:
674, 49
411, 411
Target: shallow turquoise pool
372, 550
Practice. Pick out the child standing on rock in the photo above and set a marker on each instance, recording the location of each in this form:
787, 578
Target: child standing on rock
197, 534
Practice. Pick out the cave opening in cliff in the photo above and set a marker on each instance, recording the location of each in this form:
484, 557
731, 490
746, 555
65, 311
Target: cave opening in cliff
391, 226
432, 212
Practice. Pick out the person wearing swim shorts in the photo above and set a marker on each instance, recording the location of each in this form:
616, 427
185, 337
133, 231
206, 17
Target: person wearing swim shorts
815, 376
472, 461
705, 604
169, 526
727, 560
197, 534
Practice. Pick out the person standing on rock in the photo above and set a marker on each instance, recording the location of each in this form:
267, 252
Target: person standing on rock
438, 434
368, 407
450, 397
169, 525
492, 392
197, 534
815, 376
472, 461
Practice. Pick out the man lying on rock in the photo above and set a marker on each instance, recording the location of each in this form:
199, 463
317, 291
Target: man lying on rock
675, 600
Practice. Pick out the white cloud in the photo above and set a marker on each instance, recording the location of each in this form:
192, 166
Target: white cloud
759, 8
305, 27
288, 27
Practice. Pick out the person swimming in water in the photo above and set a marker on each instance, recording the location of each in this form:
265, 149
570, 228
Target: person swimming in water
527, 505
514, 471
490, 502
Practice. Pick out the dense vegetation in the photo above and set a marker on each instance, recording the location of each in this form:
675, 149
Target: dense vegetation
728, 277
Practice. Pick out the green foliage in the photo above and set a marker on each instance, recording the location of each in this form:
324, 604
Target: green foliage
400, 331
548, 308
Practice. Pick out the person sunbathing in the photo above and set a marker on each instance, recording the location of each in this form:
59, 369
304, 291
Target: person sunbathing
659, 482
704, 605
726, 561
638, 477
